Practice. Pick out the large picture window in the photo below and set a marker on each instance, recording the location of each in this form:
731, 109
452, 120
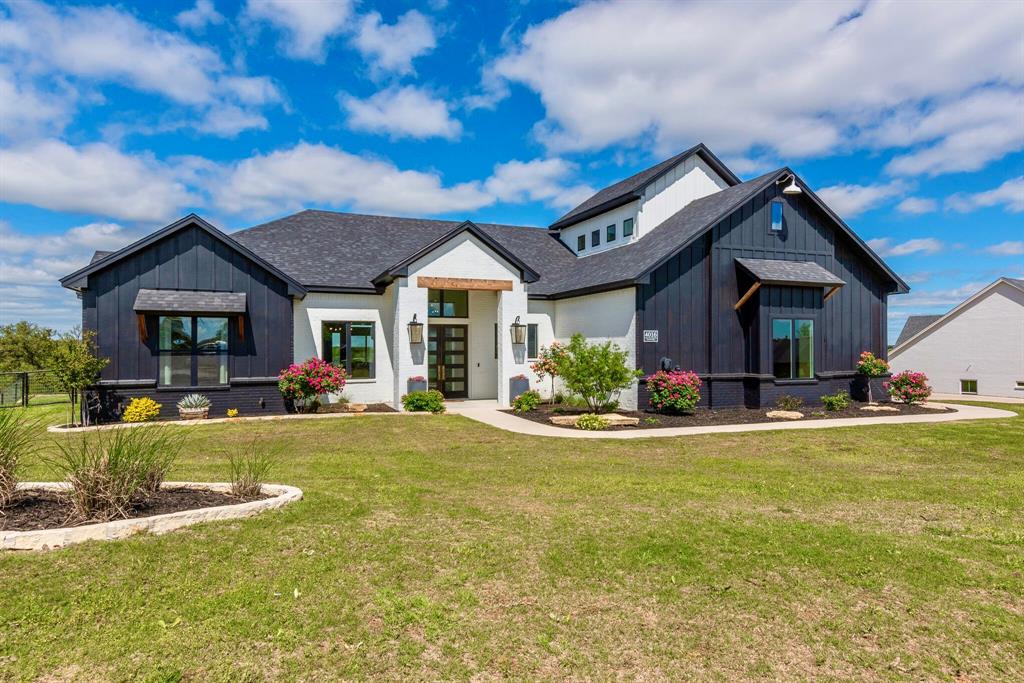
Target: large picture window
193, 351
350, 345
448, 303
793, 348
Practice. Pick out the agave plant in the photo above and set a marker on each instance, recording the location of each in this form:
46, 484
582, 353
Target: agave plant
194, 402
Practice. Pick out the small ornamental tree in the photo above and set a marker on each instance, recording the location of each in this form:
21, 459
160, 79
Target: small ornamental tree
547, 364
304, 383
75, 365
595, 372
676, 392
870, 366
909, 387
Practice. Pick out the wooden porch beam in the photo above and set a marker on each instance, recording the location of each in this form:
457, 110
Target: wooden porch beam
831, 293
464, 283
746, 297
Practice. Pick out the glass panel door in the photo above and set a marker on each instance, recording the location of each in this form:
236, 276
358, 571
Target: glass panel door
447, 360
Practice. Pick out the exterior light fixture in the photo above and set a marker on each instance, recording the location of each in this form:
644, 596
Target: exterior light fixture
792, 188
415, 331
518, 332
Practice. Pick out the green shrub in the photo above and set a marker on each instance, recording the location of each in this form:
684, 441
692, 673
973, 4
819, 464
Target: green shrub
595, 372
17, 442
591, 422
527, 401
424, 401
787, 402
111, 472
141, 410
837, 401
250, 469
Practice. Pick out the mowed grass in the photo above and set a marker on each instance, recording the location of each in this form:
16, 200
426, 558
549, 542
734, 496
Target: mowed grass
439, 548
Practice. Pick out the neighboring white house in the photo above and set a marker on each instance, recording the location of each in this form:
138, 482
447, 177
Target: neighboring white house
976, 348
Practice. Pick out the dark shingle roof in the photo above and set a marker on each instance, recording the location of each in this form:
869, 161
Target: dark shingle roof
914, 324
174, 301
1016, 282
774, 271
627, 190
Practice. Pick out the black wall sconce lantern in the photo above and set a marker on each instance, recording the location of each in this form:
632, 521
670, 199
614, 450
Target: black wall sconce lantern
518, 332
415, 331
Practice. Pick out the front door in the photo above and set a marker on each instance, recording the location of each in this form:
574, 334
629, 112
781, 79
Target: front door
447, 361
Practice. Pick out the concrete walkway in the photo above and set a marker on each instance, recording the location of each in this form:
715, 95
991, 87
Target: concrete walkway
980, 399
488, 413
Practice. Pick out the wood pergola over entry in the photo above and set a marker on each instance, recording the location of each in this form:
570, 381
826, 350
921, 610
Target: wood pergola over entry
464, 283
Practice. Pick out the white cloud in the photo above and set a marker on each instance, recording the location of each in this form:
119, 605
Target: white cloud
950, 297
392, 47
1010, 195
401, 112
199, 17
1007, 248
541, 180
26, 110
307, 25
851, 200
96, 179
917, 205
835, 70
884, 246
229, 120
289, 179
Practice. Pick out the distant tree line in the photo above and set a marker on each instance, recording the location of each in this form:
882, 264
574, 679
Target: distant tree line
26, 346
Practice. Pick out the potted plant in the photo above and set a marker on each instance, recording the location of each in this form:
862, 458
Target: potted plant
870, 369
417, 383
517, 385
194, 407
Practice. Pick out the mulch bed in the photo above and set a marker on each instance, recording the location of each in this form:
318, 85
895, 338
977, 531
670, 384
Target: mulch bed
370, 408
702, 417
38, 510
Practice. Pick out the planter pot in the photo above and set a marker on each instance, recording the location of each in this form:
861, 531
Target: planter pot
193, 414
416, 385
517, 387
864, 388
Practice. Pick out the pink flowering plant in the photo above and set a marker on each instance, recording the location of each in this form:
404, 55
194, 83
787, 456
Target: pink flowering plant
547, 364
304, 383
909, 387
871, 365
676, 392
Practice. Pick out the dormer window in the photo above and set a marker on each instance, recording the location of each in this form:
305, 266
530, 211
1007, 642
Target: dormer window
776, 215
581, 243
595, 238
627, 227
610, 233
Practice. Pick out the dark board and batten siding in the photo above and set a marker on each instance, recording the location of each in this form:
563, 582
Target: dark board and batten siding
191, 259
690, 301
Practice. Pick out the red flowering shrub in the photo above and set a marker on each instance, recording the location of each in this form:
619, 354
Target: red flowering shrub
676, 391
313, 378
908, 386
871, 365
547, 364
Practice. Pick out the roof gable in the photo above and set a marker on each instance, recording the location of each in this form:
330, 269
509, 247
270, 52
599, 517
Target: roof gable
631, 188
79, 278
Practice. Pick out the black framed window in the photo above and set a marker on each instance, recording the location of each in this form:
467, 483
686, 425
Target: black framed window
531, 340
581, 243
595, 238
793, 348
610, 233
448, 303
352, 346
193, 351
776, 215
627, 227
968, 386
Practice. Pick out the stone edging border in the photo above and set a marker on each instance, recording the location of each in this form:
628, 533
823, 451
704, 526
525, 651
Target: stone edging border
50, 539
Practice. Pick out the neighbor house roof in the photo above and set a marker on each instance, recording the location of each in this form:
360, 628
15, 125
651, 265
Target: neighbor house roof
778, 272
914, 324
630, 189
190, 301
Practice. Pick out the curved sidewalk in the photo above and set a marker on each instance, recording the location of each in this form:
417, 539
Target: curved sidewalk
488, 413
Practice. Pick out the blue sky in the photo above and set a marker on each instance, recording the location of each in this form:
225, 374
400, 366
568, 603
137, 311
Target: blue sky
116, 119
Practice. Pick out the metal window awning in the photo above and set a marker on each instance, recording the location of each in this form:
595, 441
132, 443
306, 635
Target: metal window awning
787, 273
179, 301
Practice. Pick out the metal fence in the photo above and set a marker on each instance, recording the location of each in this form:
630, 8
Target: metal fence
36, 387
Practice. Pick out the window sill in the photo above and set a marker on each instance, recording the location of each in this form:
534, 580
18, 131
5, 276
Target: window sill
214, 387
791, 382
361, 380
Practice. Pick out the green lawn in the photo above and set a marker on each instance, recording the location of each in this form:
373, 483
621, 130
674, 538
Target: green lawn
439, 548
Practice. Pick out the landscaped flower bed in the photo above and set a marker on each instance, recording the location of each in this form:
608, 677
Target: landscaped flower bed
723, 416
